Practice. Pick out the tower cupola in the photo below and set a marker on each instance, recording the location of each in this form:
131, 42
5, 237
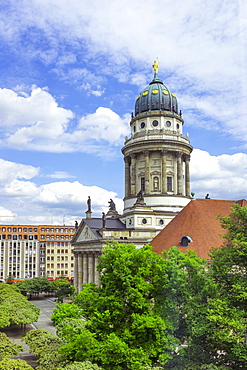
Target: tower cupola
156, 96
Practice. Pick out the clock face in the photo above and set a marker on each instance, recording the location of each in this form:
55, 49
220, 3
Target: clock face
142, 124
155, 123
168, 124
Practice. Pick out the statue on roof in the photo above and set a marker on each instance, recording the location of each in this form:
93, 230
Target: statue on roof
104, 220
156, 67
89, 204
112, 205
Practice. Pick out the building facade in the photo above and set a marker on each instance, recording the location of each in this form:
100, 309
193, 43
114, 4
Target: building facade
29, 251
157, 181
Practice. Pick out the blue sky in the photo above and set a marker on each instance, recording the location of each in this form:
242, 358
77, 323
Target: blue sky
70, 74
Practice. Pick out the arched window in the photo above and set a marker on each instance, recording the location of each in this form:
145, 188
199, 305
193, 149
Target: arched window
185, 241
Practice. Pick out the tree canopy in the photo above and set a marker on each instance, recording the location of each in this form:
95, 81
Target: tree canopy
15, 308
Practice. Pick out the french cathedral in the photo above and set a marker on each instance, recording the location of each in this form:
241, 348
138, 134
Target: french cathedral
157, 181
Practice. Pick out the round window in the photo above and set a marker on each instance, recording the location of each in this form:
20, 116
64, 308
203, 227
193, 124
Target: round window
144, 221
161, 222
168, 124
142, 124
155, 123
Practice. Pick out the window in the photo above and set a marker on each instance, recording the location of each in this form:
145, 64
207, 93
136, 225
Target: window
143, 183
9, 229
155, 123
169, 183
19, 230
185, 240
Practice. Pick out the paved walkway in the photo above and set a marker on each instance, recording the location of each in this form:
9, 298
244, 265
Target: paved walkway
46, 306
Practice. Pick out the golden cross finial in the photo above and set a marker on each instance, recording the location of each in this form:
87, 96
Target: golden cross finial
156, 67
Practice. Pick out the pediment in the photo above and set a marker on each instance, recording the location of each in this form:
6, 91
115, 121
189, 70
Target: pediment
83, 233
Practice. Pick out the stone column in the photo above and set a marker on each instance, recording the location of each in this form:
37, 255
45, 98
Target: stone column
187, 175
96, 272
90, 268
76, 270
179, 174
85, 273
163, 170
127, 176
133, 174
147, 172
80, 272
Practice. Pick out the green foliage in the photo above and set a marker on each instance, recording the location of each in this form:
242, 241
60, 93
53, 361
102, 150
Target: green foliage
65, 310
45, 345
69, 328
58, 283
229, 269
15, 308
8, 349
124, 327
23, 286
86, 365
14, 365
64, 291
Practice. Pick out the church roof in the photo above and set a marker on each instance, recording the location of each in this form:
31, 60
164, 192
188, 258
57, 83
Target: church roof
96, 224
198, 221
156, 96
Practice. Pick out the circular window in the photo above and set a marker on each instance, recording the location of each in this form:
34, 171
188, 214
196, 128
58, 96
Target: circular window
155, 123
177, 126
168, 124
161, 222
142, 124
144, 221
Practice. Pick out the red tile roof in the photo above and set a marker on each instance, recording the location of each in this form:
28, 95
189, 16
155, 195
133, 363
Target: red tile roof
199, 221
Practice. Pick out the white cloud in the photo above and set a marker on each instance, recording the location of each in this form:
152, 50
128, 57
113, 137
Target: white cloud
60, 175
40, 124
51, 202
11, 171
105, 125
223, 176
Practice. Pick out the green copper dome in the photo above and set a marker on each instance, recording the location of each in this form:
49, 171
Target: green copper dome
156, 96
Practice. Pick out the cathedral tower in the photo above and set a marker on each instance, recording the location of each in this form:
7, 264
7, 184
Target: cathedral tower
157, 157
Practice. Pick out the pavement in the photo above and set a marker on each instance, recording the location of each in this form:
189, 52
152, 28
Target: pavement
16, 332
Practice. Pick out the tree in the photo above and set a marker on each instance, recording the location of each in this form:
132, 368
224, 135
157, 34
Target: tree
65, 310
229, 266
23, 286
45, 345
15, 308
124, 328
87, 365
8, 349
64, 291
14, 365
229, 269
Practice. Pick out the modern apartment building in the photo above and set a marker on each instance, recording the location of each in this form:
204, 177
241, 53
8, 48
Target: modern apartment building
29, 251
